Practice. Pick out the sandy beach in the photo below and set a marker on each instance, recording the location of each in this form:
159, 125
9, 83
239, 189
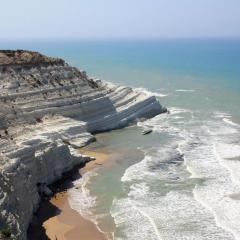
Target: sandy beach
69, 224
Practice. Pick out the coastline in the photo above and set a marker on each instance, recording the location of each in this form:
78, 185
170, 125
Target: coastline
49, 108
64, 223
69, 224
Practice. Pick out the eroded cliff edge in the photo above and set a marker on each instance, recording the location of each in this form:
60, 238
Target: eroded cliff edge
48, 109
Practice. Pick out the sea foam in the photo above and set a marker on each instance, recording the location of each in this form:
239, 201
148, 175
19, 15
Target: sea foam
220, 176
185, 90
150, 93
160, 201
161, 187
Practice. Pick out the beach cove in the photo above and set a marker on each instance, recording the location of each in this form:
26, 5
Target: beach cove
179, 182
65, 223
68, 223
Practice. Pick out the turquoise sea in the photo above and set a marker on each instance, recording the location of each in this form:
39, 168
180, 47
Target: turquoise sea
182, 181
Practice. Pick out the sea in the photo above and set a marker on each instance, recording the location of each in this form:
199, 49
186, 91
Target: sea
183, 180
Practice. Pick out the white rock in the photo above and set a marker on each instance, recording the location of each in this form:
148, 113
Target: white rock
46, 113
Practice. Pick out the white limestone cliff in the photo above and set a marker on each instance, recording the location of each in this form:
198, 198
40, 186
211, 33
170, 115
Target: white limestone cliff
48, 109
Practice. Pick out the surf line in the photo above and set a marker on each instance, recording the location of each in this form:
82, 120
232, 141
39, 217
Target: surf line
149, 219
222, 161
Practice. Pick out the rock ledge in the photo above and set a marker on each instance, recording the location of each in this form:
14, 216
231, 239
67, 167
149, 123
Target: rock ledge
48, 110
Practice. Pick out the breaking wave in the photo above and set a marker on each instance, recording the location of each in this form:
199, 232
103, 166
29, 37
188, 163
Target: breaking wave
185, 188
185, 90
146, 91
194, 178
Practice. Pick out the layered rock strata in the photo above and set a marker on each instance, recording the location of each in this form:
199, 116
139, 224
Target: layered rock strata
48, 110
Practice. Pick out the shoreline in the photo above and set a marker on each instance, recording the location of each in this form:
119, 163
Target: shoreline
48, 108
69, 224
57, 219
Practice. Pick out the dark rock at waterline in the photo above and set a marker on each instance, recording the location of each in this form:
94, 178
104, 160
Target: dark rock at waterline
148, 131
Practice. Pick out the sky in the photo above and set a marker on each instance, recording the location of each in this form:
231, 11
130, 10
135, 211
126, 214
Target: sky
117, 19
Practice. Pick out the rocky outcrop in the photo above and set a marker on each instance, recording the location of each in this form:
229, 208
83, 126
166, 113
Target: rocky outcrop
48, 109
21, 58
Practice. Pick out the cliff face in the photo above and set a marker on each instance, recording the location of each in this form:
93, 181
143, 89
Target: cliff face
48, 109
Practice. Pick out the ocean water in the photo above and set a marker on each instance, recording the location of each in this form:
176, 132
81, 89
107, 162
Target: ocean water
182, 181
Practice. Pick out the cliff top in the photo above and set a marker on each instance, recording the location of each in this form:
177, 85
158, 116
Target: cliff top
22, 57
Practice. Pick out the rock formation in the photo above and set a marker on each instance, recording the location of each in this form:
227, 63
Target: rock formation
48, 109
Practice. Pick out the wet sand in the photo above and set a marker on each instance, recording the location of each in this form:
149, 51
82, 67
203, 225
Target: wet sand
68, 224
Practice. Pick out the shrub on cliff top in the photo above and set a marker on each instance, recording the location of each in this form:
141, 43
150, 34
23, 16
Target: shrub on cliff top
5, 233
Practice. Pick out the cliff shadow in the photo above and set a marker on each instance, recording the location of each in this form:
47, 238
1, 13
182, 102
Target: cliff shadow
46, 209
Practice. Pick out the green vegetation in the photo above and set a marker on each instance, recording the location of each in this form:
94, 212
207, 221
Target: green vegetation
5, 233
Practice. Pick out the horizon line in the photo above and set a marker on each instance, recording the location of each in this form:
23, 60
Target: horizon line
121, 38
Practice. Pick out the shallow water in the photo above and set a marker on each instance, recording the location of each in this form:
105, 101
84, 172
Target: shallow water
180, 189
182, 181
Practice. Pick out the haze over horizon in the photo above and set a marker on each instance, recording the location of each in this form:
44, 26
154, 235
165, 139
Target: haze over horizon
106, 19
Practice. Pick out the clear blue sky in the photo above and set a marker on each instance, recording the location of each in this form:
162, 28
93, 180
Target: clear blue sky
119, 18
